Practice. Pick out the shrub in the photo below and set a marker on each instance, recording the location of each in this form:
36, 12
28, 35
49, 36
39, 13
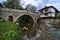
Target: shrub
58, 16
8, 31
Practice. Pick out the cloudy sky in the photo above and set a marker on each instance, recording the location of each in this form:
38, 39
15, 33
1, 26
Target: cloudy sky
40, 3
2, 1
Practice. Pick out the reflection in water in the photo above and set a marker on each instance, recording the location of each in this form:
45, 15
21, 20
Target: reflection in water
50, 34
36, 37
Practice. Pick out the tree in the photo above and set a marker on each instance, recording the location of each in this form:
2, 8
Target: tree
14, 4
31, 8
28, 8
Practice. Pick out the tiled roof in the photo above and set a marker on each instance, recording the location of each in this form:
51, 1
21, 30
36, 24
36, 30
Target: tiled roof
49, 7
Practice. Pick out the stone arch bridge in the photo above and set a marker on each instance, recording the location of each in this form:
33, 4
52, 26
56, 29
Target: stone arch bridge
5, 13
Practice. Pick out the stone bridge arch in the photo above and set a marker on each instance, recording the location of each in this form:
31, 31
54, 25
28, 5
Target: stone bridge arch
26, 20
32, 16
10, 18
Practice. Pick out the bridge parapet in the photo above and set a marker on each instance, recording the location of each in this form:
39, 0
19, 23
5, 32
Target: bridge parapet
12, 10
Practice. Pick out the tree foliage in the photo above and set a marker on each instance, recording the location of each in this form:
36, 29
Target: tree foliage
58, 16
31, 8
14, 4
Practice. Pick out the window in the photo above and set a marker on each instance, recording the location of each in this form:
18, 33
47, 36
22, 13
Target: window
46, 10
46, 14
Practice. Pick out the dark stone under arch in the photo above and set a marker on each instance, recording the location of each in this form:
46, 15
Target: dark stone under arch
10, 18
25, 21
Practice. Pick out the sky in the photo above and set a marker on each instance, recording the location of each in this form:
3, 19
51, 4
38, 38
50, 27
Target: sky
40, 3
2, 1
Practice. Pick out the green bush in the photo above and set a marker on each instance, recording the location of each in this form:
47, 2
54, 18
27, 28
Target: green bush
8, 31
58, 16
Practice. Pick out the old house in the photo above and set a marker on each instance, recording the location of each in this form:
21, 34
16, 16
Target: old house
48, 12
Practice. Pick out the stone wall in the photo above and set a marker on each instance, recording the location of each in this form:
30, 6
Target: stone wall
50, 20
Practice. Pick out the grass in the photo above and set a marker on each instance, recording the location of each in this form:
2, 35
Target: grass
8, 31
